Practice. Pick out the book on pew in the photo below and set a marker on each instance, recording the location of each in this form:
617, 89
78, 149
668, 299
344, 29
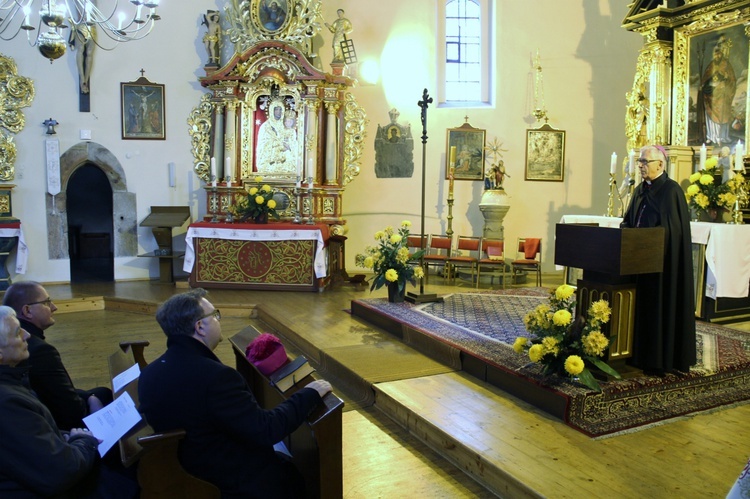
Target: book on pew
289, 374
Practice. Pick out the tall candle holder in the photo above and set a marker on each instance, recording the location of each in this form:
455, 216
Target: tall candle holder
736, 211
449, 230
310, 219
612, 191
214, 204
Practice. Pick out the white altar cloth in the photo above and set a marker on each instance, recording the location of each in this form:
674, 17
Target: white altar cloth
22, 253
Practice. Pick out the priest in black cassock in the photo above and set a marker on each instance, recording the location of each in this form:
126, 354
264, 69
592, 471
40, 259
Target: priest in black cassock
665, 303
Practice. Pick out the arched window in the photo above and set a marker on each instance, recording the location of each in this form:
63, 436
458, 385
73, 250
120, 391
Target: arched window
464, 52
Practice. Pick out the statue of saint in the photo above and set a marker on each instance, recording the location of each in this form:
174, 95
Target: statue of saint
82, 40
340, 28
212, 38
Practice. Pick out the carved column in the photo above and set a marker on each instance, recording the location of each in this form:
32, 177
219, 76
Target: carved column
311, 139
230, 139
332, 143
660, 91
218, 145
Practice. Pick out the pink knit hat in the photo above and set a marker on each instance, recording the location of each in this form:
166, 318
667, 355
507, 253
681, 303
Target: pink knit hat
266, 353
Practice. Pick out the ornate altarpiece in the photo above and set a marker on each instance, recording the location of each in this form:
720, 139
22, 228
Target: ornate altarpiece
270, 78
664, 104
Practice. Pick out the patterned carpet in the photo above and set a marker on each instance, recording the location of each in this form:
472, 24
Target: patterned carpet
486, 324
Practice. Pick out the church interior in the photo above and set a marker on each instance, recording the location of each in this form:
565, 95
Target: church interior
129, 172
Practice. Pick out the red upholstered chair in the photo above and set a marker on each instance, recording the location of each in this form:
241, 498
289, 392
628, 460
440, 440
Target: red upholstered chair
492, 257
414, 244
529, 257
466, 255
437, 252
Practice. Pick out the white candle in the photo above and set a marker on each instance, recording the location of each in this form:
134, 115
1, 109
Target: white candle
213, 172
702, 161
738, 157
228, 173
311, 167
631, 162
613, 164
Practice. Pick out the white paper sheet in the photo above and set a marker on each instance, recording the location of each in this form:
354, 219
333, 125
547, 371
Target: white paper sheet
125, 377
111, 422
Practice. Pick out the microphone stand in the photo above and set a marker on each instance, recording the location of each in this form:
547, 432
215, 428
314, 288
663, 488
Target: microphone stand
421, 297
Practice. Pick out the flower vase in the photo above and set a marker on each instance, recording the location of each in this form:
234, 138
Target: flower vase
394, 295
261, 219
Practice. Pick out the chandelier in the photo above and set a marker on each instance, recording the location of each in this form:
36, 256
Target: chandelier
45, 22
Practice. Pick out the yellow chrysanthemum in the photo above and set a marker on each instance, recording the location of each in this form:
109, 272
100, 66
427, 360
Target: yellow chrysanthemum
600, 311
389, 230
561, 318
706, 179
260, 200
266, 188
694, 177
379, 235
519, 344
271, 204
402, 255
594, 343
391, 275
418, 272
252, 191
727, 199
406, 223
701, 200
536, 352
395, 238
692, 190
574, 365
711, 162
369, 261
564, 292
551, 345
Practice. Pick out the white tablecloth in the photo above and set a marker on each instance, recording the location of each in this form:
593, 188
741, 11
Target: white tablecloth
727, 253
257, 235
22, 253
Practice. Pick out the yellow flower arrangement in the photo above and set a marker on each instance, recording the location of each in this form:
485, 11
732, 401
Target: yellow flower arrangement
390, 259
564, 346
706, 192
256, 204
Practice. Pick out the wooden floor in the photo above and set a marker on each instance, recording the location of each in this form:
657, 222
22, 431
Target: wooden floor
509, 446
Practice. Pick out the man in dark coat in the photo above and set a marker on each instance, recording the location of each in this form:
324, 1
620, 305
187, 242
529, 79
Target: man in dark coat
48, 376
665, 302
229, 437
36, 458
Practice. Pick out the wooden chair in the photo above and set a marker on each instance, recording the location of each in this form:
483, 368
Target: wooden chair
437, 252
160, 474
414, 243
492, 257
529, 257
465, 255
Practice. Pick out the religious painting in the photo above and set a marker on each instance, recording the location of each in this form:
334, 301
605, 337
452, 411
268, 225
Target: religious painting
394, 149
545, 154
278, 137
717, 75
468, 155
142, 110
272, 15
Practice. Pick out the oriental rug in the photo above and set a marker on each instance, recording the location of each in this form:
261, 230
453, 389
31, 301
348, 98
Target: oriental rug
483, 326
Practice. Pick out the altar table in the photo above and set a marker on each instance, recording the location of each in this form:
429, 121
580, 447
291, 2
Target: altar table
281, 256
11, 236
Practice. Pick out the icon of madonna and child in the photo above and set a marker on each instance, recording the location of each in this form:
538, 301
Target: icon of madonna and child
277, 147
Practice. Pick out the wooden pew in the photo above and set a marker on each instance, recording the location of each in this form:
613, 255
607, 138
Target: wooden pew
160, 474
316, 446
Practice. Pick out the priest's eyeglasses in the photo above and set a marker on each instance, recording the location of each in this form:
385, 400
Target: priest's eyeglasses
216, 313
644, 161
47, 303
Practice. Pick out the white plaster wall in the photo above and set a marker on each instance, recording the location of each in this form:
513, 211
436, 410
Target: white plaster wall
588, 65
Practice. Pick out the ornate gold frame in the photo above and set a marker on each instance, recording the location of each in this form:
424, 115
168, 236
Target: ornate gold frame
705, 23
16, 92
466, 136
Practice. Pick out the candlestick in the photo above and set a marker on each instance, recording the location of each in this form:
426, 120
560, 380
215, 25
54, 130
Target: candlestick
452, 160
702, 161
213, 172
228, 173
613, 164
631, 162
451, 177
739, 152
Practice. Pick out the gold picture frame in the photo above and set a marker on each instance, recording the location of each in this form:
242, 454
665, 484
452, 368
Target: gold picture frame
142, 110
469, 143
695, 45
545, 154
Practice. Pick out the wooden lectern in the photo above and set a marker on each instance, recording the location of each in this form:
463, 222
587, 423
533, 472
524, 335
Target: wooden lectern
608, 257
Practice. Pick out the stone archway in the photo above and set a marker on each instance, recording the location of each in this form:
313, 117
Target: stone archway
125, 238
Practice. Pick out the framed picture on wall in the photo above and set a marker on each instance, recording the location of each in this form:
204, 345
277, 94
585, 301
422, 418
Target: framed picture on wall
469, 152
142, 110
545, 154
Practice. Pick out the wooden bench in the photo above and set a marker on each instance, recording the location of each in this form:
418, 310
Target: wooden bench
160, 474
316, 446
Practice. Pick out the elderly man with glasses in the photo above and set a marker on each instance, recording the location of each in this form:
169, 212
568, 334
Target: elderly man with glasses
48, 376
664, 338
229, 438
